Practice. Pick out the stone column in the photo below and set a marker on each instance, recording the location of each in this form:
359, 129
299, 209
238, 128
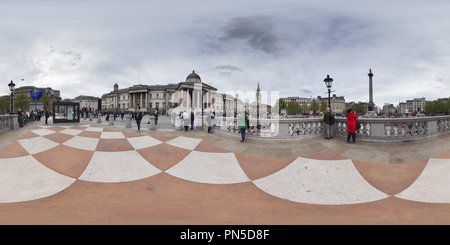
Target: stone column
129, 101
152, 123
128, 121
370, 89
178, 123
111, 119
140, 100
91, 117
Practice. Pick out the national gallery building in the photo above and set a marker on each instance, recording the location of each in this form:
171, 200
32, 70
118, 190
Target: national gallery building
148, 98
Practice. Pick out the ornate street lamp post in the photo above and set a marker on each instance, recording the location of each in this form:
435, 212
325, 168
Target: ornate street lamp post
328, 82
11, 86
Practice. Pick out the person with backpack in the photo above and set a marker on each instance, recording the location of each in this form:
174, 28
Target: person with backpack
351, 125
138, 119
242, 124
209, 121
329, 121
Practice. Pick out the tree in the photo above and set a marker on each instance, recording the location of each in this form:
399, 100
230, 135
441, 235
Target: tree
45, 101
314, 107
323, 106
437, 106
293, 107
359, 108
440, 106
304, 108
429, 107
4, 104
280, 104
21, 102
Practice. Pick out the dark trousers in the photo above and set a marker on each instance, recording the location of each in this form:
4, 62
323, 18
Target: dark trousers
46, 119
353, 137
242, 133
186, 128
138, 122
209, 129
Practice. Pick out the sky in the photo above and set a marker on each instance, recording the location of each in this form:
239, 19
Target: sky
290, 46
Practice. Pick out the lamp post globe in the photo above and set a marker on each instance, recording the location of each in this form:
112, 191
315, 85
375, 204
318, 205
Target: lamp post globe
11, 86
328, 81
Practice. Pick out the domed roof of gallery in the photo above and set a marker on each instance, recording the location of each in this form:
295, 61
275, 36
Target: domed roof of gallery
193, 77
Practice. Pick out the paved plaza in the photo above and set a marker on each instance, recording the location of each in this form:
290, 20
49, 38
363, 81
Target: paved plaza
95, 173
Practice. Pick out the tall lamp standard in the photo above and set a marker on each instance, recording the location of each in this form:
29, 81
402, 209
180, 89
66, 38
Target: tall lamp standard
11, 86
328, 82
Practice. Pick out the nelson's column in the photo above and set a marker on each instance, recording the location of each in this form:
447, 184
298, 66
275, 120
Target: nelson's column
370, 106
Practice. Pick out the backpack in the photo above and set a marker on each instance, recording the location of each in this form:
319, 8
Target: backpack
332, 119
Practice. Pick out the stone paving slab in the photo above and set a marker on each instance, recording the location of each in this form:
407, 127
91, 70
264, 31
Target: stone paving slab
88, 170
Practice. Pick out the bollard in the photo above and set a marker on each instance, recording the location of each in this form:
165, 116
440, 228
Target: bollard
111, 120
152, 123
178, 124
128, 121
99, 119
91, 117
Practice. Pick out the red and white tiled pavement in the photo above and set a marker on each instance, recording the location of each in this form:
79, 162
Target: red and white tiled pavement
92, 174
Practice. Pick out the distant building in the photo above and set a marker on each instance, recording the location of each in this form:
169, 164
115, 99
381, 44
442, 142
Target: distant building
154, 97
402, 107
88, 103
53, 94
416, 105
388, 108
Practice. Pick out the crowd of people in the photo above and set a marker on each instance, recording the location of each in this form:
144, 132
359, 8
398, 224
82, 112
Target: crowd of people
242, 122
30, 116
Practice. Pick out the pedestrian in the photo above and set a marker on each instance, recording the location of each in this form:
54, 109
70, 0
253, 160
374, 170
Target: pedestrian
156, 117
185, 117
20, 118
209, 117
242, 124
27, 117
351, 125
47, 114
138, 119
192, 120
328, 118
173, 116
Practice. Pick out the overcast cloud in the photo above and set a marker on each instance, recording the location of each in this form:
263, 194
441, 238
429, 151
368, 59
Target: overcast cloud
85, 47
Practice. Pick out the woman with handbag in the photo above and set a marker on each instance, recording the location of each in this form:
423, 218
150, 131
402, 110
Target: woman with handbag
351, 125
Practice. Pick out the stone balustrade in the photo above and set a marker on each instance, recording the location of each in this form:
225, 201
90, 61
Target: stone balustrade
372, 129
8, 122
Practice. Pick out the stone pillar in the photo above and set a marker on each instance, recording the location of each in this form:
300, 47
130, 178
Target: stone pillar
146, 100
127, 121
129, 101
178, 123
111, 119
99, 118
140, 100
371, 104
14, 121
152, 123
91, 117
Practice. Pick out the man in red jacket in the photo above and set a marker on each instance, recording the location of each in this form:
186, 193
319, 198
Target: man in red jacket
351, 125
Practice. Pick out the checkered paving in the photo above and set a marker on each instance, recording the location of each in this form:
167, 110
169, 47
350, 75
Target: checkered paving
49, 159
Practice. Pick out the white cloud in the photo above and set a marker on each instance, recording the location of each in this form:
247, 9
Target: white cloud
85, 47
